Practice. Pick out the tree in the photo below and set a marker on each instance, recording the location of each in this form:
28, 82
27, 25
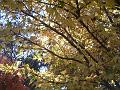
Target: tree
79, 39
10, 81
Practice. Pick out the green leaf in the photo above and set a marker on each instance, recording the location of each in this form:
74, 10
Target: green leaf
61, 4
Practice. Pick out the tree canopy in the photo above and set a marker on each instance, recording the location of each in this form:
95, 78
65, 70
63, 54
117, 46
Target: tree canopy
77, 40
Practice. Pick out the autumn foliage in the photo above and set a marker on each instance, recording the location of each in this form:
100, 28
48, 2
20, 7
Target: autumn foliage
10, 81
5, 60
79, 40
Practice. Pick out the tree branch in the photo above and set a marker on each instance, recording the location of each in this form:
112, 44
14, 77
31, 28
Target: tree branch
83, 24
80, 45
51, 52
107, 14
59, 33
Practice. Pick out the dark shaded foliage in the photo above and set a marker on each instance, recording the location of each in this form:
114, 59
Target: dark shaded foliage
10, 81
34, 64
106, 85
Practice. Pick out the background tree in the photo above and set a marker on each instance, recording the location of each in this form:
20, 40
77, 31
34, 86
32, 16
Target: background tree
79, 39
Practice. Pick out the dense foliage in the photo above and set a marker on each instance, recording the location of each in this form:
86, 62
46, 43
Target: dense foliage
10, 81
78, 41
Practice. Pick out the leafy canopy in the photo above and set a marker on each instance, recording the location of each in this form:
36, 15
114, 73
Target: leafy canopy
79, 39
